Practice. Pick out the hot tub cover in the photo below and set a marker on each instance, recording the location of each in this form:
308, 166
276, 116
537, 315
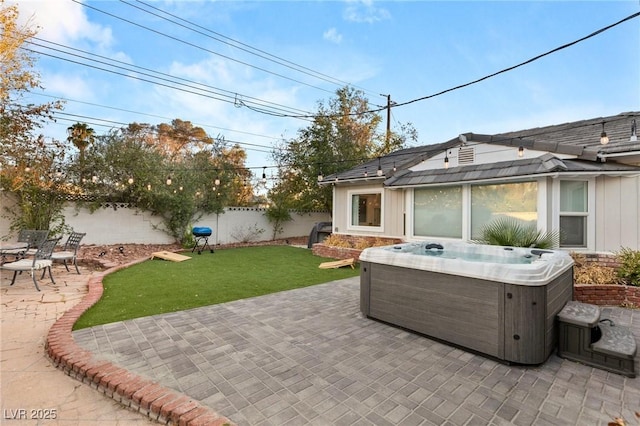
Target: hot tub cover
544, 266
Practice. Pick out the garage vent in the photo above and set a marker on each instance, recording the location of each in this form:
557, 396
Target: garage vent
466, 155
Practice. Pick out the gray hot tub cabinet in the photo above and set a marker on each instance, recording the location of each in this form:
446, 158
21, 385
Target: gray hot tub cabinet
509, 322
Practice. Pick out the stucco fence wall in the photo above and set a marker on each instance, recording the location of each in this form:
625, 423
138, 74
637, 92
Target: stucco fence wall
119, 224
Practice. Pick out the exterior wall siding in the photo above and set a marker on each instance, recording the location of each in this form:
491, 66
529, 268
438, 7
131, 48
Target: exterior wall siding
617, 213
393, 205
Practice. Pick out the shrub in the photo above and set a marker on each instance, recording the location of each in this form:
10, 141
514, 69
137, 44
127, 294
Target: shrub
334, 240
514, 233
589, 273
629, 270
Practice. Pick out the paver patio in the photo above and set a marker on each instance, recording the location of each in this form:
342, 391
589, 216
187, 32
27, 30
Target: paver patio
308, 357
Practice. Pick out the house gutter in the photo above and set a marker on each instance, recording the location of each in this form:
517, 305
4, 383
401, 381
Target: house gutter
554, 175
604, 157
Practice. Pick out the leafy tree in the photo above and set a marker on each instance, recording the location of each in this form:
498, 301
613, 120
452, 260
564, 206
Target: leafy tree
28, 165
344, 133
133, 165
180, 137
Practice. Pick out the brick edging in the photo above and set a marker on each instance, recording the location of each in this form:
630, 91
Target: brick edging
129, 389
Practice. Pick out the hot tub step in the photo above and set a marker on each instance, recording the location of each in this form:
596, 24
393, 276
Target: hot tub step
587, 338
616, 349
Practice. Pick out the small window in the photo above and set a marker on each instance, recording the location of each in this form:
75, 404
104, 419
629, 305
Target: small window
366, 209
573, 213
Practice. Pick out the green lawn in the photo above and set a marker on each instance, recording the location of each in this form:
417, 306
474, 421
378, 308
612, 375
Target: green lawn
158, 286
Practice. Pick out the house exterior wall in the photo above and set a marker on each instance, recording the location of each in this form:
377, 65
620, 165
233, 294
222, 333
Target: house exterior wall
614, 211
392, 214
617, 214
124, 225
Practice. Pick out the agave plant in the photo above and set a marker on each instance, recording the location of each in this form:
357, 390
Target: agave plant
507, 231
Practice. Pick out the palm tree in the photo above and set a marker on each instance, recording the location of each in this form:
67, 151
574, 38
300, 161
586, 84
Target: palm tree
81, 136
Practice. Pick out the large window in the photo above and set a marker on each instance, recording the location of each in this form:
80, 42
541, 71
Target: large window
366, 209
573, 213
513, 200
437, 212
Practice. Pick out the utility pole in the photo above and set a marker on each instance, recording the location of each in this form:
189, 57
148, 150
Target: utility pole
388, 120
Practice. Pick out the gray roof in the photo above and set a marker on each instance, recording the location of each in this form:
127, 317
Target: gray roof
544, 164
580, 139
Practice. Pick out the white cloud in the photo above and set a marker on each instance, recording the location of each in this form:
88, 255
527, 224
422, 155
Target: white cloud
365, 11
332, 35
63, 22
68, 86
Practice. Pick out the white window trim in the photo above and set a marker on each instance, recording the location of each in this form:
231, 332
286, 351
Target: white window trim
591, 208
370, 191
542, 209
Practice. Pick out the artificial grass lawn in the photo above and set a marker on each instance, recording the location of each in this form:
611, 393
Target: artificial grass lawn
159, 286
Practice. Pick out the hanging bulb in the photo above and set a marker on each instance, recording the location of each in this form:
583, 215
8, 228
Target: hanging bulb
365, 172
130, 180
320, 177
604, 139
94, 178
379, 171
264, 175
216, 182
169, 180
520, 151
27, 168
394, 166
148, 187
58, 172
446, 161
633, 137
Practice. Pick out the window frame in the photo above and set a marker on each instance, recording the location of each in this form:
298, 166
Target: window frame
368, 191
590, 230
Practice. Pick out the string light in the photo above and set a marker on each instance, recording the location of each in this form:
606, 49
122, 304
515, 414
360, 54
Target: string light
604, 139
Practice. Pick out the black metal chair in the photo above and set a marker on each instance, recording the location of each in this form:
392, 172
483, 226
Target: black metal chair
41, 260
35, 238
69, 252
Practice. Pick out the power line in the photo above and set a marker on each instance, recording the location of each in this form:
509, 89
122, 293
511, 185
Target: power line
535, 58
528, 61
200, 47
232, 97
243, 46
153, 115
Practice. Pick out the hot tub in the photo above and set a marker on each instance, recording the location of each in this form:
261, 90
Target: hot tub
498, 301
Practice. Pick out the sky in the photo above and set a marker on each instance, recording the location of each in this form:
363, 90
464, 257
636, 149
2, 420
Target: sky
249, 71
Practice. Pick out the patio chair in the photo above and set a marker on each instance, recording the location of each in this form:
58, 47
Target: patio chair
35, 239
41, 260
70, 251
27, 236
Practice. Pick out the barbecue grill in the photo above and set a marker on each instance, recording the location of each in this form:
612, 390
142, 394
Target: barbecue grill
201, 235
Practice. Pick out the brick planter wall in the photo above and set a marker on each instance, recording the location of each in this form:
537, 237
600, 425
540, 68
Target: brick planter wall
335, 252
322, 250
612, 295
